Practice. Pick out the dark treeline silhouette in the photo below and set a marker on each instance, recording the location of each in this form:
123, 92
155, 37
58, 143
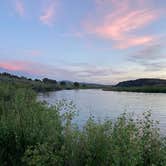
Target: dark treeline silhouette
146, 85
63, 83
46, 80
142, 82
76, 84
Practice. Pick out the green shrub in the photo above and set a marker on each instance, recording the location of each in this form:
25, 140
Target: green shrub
33, 134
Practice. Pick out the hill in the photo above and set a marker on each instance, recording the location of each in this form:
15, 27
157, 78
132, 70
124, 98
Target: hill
142, 82
45, 84
146, 85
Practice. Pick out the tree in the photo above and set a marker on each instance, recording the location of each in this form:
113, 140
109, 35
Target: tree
76, 84
46, 80
63, 83
84, 85
37, 80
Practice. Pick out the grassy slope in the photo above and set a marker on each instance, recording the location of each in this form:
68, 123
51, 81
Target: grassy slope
147, 85
33, 134
145, 89
41, 86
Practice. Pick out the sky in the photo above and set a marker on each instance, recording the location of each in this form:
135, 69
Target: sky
98, 41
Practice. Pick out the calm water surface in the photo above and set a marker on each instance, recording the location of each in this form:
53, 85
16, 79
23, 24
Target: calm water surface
107, 104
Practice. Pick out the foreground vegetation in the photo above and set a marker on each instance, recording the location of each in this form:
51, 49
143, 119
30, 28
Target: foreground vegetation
33, 134
145, 89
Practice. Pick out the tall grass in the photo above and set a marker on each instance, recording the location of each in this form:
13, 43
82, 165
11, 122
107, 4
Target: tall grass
33, 134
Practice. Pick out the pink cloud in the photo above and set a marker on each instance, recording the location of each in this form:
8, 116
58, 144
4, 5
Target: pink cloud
131, 42
13, 65
48, 16
38, 69
121, 20
118, 27
19, 7
24, 66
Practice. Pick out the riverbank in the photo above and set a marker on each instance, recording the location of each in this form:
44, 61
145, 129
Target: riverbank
143, 89
31, 133
145, 85
45, 85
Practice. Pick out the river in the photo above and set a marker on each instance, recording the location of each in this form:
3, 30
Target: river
109, 104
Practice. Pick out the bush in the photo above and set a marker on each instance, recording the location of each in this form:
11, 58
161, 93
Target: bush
25, 122
33, 134
76, 84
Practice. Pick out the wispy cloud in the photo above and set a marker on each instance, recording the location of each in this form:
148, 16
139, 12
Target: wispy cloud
120, 21
151, 57
84, 72
119, 28
14, 65
149, 53
79, 72
49, 14
19, 7
24, 66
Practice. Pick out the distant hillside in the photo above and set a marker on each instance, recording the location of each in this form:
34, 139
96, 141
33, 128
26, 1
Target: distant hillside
142, 82
45, 84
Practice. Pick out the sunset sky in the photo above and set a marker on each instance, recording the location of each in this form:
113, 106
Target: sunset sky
100, 41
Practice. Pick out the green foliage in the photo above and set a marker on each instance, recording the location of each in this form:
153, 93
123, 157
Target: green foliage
76, 84
145, 89
33, 134
45, 84
46, 80
37, 85
62, 83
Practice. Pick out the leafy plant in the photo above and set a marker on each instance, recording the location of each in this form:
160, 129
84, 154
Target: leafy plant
33, 134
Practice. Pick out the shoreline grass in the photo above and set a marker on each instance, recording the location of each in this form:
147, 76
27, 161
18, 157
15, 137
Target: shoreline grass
142, 89
33, 134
